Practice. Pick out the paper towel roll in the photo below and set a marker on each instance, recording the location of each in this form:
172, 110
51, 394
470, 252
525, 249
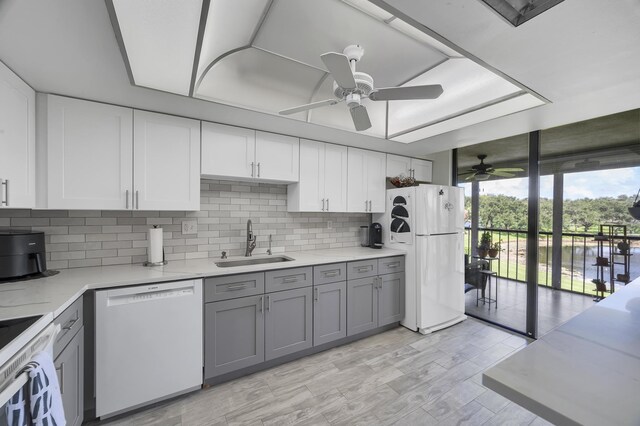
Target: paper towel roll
155, 245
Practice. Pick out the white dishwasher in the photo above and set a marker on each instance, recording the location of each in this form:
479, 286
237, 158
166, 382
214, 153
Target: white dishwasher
148, 344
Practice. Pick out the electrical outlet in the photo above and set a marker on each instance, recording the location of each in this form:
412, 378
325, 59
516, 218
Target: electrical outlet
329, 224
189, 227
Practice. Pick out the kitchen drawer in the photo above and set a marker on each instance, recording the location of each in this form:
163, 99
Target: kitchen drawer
287, 279
233, 286
362, 269
333, 273
70, 321
390, 265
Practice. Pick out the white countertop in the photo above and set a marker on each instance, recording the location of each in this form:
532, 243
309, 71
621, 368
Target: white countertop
586, 371
50, 296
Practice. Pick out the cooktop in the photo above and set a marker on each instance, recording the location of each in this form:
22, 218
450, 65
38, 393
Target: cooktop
10, 329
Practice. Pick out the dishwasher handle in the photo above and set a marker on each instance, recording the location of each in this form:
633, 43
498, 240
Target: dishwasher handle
149, 293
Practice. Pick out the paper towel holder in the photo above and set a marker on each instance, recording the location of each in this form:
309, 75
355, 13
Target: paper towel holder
163, 262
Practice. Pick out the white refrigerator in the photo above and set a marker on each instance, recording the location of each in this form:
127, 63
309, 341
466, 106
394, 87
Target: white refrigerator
427, 222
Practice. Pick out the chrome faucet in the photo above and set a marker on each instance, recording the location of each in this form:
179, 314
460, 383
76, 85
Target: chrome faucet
269, 250
251, 239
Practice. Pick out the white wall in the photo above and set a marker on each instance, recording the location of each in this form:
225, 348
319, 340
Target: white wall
441, 167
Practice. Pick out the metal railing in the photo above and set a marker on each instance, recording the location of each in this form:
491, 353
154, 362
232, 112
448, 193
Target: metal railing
578, 257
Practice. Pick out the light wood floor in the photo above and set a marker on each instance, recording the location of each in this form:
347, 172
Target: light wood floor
555, 307
398, 377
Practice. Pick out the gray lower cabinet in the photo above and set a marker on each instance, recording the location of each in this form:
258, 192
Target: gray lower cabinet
390, 298
288, 322
234, 334
69, 366
329, 312
362, 305
374, 302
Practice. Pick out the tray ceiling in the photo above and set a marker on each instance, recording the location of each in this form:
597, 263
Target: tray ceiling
264, 55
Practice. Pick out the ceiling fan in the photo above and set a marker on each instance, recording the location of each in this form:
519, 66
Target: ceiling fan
484, 171
352, 86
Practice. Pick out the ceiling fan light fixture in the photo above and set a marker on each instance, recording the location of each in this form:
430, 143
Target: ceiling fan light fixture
482, 176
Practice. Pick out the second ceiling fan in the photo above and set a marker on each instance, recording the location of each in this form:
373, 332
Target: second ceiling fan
483, 171
352, 87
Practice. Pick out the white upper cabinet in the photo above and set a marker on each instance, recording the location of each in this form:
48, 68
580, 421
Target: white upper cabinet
17, 142
366, 181
376, 181
398, 165
166, 162
94, 156
420, 170
243, 154
87, 151
277, 157
334, 177
227, 151
323, 179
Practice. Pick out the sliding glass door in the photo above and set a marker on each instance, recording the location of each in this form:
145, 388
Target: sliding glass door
554, 206
495, 176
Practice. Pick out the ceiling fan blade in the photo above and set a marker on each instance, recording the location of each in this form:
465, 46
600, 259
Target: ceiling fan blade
503, 174
509, 169
471, 177
308, 106
431, 91
338, 66
360, 118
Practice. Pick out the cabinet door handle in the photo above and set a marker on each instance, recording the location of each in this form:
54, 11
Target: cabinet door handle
258, 169
262, 304
61, 377
70, 324
327, 204
370, 208
236, 287
289, 280
5, 199
393, 265
323, 204
1, 192
137, 200
252, 168
331, 274
268, 303
363, 268
317, 297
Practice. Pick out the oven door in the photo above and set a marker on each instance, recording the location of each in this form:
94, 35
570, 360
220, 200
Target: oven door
43, 341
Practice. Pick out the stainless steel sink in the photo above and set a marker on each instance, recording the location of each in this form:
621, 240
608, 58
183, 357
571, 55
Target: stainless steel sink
254, 261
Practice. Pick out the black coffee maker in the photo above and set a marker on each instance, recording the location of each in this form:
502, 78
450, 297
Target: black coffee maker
375, 235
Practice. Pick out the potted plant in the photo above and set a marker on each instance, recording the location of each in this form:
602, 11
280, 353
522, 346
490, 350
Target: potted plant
495, 249
635, 209
485, 244
624, 247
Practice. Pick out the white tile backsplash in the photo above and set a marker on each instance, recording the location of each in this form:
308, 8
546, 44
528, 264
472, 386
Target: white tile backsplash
79, 238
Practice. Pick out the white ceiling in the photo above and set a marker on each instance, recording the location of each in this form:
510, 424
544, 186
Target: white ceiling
584, 56
267, 59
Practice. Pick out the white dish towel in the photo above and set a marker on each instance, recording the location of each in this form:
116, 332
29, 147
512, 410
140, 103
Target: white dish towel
39, 402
